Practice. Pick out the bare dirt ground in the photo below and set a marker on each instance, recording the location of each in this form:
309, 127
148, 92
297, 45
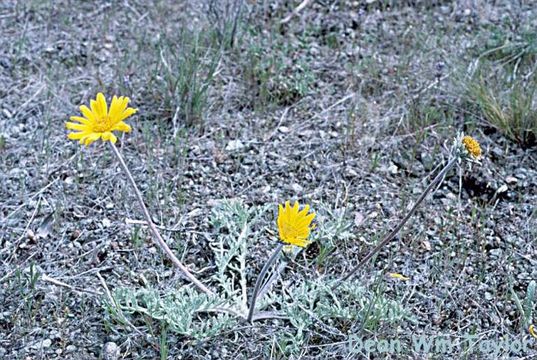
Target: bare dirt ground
348, 106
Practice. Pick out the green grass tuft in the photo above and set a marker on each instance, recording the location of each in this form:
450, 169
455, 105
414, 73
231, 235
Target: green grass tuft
510, 108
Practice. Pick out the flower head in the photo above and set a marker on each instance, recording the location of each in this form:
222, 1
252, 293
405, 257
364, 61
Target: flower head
294, 225
472, 146
99, 121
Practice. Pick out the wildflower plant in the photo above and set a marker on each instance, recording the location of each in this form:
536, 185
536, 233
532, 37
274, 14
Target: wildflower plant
463, 148
309, 306
311, 303
294, 228
99, 122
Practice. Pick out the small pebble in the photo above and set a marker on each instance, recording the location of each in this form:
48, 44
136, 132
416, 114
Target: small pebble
110, 351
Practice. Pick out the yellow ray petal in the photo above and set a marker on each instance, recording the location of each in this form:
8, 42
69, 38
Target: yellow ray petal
125, 114
77, 135
91, 138
310, 217
116, 107
95, 108
108, 136
304, 211
103, 107
121, 126
88, 113
287, 211
80, 120
75, 126
300, 242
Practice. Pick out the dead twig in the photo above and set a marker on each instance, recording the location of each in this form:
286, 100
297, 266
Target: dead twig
56, 282
295, 12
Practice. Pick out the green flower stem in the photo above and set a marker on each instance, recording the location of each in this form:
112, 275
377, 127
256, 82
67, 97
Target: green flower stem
394, 232
157, 237
260, 278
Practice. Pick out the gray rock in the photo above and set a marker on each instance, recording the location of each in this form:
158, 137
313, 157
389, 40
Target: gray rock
234, 145
110, 351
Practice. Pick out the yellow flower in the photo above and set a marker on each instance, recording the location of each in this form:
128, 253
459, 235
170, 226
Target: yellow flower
532, 331
472, 146
99, 122
294, 225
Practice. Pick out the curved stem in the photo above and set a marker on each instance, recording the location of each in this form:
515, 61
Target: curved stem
275, 274
260, 278
157, 238
394, 232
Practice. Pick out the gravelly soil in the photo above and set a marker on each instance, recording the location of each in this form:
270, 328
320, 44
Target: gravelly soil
346, 137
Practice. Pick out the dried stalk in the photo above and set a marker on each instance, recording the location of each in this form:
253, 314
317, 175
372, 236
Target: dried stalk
394, 232
157, 238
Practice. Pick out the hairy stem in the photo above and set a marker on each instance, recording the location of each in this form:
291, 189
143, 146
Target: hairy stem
394, 232
157, 238
260, 278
